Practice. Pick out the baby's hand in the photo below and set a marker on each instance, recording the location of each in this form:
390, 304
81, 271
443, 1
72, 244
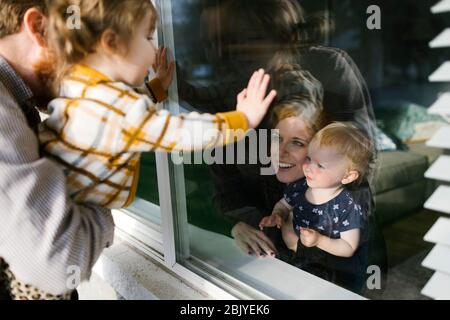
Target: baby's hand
253, 101
164, 71
309, 237
271, 221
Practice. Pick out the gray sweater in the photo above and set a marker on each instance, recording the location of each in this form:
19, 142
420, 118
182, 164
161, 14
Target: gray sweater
44, 236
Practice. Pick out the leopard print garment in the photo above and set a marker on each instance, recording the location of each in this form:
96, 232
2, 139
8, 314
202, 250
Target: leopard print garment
21, 291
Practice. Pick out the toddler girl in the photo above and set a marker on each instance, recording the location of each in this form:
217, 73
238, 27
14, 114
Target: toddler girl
99, 125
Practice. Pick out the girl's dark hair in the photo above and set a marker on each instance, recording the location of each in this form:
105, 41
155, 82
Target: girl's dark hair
283, 23
317, 28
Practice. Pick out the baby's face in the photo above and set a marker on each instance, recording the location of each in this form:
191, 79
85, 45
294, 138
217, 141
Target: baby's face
324, 167
289, 154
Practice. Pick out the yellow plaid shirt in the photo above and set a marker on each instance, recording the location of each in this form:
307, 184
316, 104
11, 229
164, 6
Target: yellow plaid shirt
98, 128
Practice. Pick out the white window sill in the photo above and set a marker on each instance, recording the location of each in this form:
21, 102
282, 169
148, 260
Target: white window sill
124, 273
272, 277
127, 272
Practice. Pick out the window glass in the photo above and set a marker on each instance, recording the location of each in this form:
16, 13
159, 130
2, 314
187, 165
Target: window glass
148, 185
360, 212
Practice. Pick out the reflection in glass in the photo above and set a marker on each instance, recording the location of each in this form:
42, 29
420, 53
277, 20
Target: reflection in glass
310, 51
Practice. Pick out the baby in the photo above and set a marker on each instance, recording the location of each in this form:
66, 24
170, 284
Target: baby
318, 208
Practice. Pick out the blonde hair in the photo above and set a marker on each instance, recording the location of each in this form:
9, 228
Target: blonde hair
350, 142
304, 109
72, 45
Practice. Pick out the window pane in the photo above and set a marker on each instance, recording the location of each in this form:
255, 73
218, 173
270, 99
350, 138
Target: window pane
148, 183
327, 66
142, 219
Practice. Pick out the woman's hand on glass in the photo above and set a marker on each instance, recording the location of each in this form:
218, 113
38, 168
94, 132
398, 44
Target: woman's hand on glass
163, 70
253, 241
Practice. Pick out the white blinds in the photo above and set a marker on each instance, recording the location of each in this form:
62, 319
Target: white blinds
438, 287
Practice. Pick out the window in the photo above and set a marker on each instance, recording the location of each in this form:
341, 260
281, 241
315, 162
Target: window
211, 60
319, 51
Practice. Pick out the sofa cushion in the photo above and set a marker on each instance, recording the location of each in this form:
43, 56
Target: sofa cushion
396, 204
397, 169
407, 121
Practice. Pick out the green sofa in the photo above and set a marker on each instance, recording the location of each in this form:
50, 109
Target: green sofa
399, 184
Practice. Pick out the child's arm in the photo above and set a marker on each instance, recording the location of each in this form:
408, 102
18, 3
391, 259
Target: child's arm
280, 214
343, 247
147, 129
290, 237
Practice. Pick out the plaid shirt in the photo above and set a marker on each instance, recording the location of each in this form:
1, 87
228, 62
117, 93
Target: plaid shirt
98, 128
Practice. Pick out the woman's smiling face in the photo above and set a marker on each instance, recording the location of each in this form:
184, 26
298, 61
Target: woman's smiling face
289, 154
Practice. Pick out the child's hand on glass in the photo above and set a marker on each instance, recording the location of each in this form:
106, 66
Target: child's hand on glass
309, 237
271, 221
164, 71
253, 101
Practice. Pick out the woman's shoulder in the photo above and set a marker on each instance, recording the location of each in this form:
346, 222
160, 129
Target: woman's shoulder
333, 67
330, 54
327, 59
